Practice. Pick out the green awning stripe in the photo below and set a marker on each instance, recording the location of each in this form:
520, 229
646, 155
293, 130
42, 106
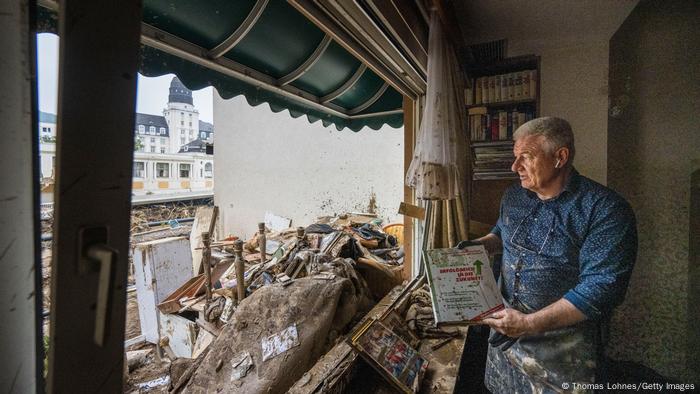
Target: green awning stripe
180, 35
156, 63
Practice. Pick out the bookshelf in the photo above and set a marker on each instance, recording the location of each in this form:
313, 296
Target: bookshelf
502, 96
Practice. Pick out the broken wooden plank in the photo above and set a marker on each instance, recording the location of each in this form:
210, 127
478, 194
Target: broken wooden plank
412, 211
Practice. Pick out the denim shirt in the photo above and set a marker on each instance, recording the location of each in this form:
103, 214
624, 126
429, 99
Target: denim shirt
580, 245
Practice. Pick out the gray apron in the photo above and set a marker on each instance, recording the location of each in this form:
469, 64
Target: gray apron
546, 363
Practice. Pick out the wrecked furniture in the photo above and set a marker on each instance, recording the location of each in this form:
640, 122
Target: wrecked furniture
160, 267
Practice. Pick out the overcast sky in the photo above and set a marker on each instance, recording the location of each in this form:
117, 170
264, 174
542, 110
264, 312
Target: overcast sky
152, 92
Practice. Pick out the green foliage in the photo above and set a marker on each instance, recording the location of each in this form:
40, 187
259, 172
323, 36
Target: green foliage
138, 144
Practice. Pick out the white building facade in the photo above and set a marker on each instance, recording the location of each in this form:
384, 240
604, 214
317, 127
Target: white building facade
169, 153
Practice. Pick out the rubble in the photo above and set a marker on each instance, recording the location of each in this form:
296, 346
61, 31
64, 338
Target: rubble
278, 301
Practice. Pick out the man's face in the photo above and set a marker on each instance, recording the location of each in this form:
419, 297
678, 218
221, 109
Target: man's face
534, 164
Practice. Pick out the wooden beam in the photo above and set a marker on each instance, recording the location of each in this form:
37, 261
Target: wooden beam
409, 137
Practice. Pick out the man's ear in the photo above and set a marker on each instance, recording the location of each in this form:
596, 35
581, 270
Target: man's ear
562, 157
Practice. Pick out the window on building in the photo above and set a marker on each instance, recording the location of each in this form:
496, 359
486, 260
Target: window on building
139, 169
44, 129
185, 170
142, 129
182, 141
182, 114
190, 124
163, 141
153, 149
153, 140
182, 123
203, 135
162, 149
162, 170
162, 130
152, 130
208, 170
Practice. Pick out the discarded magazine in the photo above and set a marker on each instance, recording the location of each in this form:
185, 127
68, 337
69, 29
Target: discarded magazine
389, 354
462, 286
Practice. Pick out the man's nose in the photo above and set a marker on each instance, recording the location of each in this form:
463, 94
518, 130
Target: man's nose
516, 164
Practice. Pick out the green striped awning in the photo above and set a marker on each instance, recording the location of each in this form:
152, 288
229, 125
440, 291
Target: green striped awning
265, 50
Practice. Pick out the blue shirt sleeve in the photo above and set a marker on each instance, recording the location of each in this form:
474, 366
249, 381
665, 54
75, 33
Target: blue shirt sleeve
499, 224
606, 259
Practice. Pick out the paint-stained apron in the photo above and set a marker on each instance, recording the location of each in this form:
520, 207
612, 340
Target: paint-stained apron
558, 361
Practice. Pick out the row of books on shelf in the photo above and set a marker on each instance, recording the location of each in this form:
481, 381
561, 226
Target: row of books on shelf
493, 161
521, 85
497, 125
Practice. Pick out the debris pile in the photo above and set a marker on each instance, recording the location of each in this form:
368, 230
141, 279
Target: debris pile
258, 314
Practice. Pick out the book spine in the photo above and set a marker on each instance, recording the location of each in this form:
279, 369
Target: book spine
478, 91
494, 127
497, 89
526, 84
502, 125
504, 87
533, 84
469, 95
511, 91
509, 132
517, 86
522, 118
514, 119
492, 88
484, 128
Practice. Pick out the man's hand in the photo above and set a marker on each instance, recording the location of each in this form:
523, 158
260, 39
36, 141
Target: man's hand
509, 322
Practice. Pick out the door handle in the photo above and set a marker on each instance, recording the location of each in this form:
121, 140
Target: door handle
104, 259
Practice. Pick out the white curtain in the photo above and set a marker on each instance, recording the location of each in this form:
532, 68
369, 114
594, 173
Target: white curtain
439, 167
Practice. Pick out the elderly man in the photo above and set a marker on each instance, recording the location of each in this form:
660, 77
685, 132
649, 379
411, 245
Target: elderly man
569, 245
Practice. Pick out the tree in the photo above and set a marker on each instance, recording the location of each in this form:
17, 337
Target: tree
138, 144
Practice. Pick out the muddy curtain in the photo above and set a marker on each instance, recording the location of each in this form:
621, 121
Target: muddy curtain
440, 169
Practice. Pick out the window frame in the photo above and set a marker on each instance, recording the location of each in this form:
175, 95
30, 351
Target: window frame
158, 170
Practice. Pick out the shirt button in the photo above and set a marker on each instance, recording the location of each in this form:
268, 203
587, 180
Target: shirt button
517, 274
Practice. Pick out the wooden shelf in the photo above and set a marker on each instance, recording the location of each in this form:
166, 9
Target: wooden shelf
479, 144
500, 104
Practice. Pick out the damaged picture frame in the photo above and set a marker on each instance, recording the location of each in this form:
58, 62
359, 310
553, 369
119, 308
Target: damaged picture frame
395, 359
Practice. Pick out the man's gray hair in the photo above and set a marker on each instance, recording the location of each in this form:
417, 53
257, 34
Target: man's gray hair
556, 131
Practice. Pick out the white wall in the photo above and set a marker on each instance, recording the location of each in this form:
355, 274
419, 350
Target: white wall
17, 254
269, 161
574, 86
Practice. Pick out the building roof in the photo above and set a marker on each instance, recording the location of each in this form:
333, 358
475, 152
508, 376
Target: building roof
179, 92
194, 146
152, 120
45, 117
206, 127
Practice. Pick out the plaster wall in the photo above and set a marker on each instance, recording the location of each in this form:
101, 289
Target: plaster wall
654, 150
17, 174
269, 161
573, 86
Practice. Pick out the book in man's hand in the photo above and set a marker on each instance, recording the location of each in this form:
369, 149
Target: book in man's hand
462, 286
